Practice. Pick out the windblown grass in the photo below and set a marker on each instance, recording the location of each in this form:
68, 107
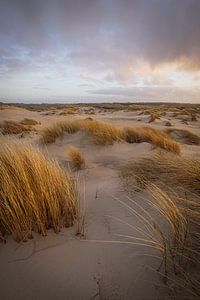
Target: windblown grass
57, 130
184, 136
166, 169
174, 233
150, 135
105, 133
132, 135
76, 158
36, 194
102, 133
11, 127
159, 139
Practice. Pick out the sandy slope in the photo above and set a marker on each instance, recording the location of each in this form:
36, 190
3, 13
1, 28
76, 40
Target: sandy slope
68, 267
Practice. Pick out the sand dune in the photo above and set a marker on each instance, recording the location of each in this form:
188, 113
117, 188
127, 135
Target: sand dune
97, 263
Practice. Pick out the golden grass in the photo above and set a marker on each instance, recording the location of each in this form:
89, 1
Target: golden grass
175, 234
30, 122
184, 136
167, 169
57, 130
11, 127
131, 135
153, 136
69, 111
102, 133
158, 138
170, 225
36, 194
154, 116
76, 158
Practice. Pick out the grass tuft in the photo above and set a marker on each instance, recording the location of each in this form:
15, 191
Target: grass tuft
131, 135
11, 127
36, 194
102, 133
154, 116
76, 158
150, 135
57, 130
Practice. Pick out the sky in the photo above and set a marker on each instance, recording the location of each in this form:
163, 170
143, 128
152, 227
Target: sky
99, 51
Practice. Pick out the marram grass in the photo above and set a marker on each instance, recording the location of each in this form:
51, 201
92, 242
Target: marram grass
36, 193
103, 133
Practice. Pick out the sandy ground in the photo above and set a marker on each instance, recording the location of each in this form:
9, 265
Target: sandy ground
64, 266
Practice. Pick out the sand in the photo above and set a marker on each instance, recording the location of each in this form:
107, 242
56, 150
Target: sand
95, 266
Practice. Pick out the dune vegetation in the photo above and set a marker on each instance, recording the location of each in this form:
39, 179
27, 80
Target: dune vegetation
174, 234
150, 135
76, 158
154, 116
167, 169
36, 194
71, 110
12, 127
103, 133
172, 183
57, 131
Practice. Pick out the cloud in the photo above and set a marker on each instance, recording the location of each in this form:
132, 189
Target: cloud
116, 41
157, 31
158, 94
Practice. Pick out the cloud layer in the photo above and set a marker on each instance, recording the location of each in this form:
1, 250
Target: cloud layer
115, 42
